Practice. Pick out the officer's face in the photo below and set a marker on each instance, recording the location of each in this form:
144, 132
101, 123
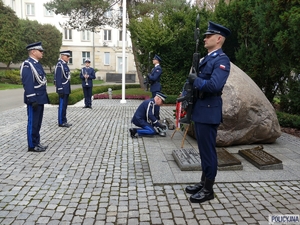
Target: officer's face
158, 101
38, 54
212, 41
65, 58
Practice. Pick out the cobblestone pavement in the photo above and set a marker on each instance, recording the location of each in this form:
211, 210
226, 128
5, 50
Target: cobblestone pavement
94, 173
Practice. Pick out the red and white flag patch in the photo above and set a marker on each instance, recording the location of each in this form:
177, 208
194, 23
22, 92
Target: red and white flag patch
222, 67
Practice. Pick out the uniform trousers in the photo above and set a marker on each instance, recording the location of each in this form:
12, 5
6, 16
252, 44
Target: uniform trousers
62, 109
146, 128
156, 107
87, 91
206, 138
35, 118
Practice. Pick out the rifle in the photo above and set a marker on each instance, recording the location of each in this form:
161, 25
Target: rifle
187, 96
146, 81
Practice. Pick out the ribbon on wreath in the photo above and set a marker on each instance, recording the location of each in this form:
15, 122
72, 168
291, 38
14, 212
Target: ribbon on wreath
179, 113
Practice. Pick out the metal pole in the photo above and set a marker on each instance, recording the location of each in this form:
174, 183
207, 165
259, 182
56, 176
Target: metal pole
123, 52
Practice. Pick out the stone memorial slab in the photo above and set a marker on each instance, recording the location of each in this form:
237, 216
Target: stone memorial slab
189, 160
227, 161
261, 159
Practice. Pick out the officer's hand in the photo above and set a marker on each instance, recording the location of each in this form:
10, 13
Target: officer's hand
35, 106
192, 78
61, 95
162, 126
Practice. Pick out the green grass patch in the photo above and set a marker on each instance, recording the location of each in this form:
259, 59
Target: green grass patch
4, 86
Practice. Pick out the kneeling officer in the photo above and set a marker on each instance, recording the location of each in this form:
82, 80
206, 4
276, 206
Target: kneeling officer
144, 117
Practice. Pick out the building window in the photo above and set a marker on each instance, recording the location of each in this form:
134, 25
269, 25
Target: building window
71, 58
107, 35
48, 12
85, 35
85, 55
13, 5
106, 58
107, 14
67, 34
29, 9
121, 36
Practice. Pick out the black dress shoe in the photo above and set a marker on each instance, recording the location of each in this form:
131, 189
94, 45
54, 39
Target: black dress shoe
42, 146
202, 196
84, 107
65, 125
205, 194
36, 149
195, 188
133, 132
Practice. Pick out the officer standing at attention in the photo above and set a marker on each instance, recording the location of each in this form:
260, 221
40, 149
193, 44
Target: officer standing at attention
154, 80
87, 75
34, 82
207, 111
144, 117
63, 87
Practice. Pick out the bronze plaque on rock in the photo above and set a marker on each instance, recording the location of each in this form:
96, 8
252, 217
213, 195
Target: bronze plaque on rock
261, 159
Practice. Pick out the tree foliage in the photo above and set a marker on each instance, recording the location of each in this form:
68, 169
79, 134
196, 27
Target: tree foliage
263, 43
171, 35
49, 35
9, 34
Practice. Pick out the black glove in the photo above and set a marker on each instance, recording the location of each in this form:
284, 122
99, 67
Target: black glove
192, 78
161, 126
61, 95
35, 106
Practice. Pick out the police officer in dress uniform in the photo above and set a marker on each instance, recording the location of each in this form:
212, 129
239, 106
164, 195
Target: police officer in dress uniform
87, 75
144, 117
63, 87
34, 82
154, 80
207, 111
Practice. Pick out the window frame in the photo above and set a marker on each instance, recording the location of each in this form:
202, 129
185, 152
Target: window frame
85, 35
68, 33
85, 55
106, 58
106, 35
30, 6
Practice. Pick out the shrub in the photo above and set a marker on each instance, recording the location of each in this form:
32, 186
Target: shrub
77, 94
288, 120
11, 77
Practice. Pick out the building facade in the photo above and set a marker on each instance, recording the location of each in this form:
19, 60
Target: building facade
103, 48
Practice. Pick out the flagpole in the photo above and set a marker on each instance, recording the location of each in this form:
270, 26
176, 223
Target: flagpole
123, 52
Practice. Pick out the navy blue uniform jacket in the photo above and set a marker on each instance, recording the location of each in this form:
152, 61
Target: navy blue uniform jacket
154, 78
213, 73
144, 115
89, 71
34, 85
62, 78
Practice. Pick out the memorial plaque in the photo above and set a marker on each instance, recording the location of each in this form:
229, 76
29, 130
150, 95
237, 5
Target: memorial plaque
227, 161
189, 160
261, 159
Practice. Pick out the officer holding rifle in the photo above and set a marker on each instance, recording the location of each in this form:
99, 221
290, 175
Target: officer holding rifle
207, 86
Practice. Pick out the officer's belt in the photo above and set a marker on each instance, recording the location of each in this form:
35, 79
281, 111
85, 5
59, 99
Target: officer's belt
202, 95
